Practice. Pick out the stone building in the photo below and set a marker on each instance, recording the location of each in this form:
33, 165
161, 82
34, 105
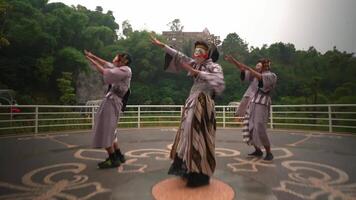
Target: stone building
179, 38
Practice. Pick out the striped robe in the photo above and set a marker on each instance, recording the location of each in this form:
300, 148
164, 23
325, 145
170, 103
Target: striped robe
255, 121
195, 139
242, 110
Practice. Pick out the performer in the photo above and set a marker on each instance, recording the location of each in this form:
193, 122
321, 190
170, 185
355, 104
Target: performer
250, 91
118, 75
256, 117
193, 150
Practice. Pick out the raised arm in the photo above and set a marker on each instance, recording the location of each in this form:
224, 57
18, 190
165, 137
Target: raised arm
243, 67
186, 66
238, 64
98, 66
156, 42
181, 57
99, 60
190, 69
254, 73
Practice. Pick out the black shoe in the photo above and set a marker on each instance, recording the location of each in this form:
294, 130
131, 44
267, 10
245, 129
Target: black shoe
197, 180
177, 171
269, 157
120, 156
109, 163
257, 153
178, 168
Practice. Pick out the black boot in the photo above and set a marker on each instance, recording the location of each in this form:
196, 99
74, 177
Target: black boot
178, 168
256, 153
120, 156
197, 180
110, 162
269, 156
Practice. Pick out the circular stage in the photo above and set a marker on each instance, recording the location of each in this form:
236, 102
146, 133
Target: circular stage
175, 188
223, 185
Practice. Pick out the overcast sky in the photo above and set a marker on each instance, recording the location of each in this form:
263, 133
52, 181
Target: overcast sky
319, 23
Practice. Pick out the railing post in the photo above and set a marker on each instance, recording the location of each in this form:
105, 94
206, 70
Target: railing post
330, 119
92, 117
36, 119
138, 116
271, 117
11, 114
224, 117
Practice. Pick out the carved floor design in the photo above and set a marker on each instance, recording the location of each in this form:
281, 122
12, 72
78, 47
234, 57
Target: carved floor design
52, 186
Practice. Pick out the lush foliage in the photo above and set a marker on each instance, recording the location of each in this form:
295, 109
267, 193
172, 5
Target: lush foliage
41, 55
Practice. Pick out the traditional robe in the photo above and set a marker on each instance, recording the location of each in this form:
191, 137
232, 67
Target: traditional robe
257, 115
108, 114
195, 139
247, 97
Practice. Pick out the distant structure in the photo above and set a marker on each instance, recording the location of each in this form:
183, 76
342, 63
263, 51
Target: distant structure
179, 38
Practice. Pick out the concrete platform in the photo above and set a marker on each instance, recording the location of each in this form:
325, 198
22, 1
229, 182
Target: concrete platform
63, 166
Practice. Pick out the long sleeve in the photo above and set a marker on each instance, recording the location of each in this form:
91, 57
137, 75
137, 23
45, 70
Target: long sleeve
269, 81
174, 59
112, 75
243, 75
246, 76
266, 85
214, 77
109, 65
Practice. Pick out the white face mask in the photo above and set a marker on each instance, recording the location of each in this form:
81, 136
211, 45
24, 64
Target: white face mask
200, 54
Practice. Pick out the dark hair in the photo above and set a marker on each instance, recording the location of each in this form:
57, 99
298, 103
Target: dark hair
201, 42
214, 53
127, 57
264, 60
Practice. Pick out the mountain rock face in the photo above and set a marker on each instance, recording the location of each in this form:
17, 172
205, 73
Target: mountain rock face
89, 86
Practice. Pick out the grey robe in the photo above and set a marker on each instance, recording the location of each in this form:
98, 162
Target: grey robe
193, 144
247, 97
107, 116
258, 111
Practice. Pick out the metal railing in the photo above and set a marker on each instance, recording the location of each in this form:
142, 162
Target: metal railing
44, 118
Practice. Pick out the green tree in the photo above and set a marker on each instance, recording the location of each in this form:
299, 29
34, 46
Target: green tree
126, 28
187, 48
284, 53
40, 40
175, 25
70, 59
65, 87
44, 69
99, 9
235, 46
4, 9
